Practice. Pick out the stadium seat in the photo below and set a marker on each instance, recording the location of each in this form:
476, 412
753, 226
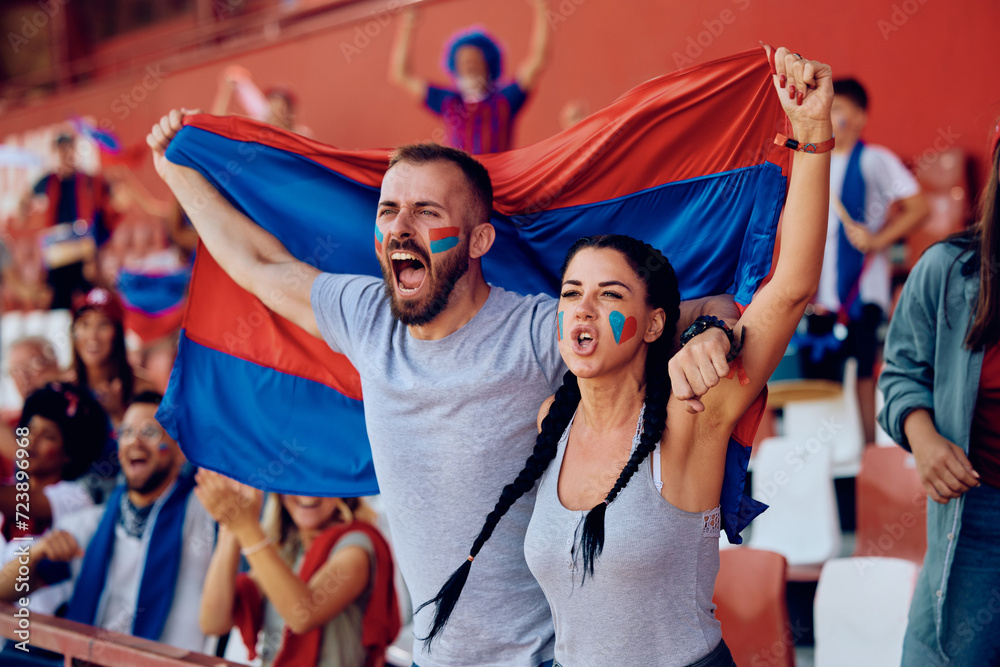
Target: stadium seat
946, 216
750, 604
892, 506
835, 421
793, 477
861, 611
946, 188
236, 650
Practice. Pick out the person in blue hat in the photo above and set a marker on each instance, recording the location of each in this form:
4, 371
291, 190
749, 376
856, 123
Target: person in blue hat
479, 108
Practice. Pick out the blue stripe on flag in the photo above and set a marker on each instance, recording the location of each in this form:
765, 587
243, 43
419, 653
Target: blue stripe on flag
153, 295
699, 224
291, 435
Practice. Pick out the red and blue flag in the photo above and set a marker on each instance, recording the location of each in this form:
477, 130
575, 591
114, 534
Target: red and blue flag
153, 302
686, 162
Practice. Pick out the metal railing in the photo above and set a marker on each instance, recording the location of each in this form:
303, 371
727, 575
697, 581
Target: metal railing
95, 645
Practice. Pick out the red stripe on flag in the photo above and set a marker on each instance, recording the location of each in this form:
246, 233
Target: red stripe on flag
240, 325
149, 328
658, 129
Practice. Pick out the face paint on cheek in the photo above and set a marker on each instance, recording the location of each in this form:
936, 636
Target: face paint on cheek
559, 324
164, 446
622, 327
443, 238
378, 241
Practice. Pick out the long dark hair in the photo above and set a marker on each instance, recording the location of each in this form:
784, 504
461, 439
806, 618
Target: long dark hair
661, 292
985, 327
80, 418
118, 360
983, 240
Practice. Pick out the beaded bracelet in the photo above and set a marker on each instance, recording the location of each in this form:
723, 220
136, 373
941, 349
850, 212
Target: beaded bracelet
706, 322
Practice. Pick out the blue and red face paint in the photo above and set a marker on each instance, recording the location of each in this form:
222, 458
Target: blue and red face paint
622, 327
443, 238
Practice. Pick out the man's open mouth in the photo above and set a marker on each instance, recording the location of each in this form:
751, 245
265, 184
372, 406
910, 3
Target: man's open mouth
137, 462
409, 271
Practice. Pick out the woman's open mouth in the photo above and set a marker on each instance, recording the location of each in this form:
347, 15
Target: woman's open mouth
584, 339
410, 272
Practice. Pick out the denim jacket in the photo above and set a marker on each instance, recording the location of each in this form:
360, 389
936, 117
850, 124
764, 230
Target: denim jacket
928, 366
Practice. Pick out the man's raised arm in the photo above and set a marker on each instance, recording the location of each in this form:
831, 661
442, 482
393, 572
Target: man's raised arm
251, 256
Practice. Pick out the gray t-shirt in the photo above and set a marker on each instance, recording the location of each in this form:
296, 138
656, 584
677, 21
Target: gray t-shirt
451, 421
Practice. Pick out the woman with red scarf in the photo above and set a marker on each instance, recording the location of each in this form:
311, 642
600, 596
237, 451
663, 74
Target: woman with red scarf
320, 587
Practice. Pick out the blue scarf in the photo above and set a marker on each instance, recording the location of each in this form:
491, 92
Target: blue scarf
160, 570
850, 261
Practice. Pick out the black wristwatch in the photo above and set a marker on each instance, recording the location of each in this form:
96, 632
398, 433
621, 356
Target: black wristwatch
706, 322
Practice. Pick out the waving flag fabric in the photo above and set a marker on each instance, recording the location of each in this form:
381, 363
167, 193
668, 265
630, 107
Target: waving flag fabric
154, 302
685, 162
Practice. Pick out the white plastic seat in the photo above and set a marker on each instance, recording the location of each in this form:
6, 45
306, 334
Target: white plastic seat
11, 326
236, 650
861, 610
835, 421
58, 329
793, 477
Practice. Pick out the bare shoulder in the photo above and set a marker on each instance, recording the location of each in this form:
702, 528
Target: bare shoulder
544, 410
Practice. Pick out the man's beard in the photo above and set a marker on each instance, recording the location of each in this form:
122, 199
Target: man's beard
154, 480
444, 278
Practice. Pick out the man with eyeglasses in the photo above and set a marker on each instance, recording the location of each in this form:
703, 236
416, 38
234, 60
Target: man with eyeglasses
138, 562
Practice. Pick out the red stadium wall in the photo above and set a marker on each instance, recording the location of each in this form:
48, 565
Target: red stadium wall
925, 64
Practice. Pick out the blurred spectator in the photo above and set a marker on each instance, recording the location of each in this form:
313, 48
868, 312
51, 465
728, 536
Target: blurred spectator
320, 588
100, 361
141, 240
137, 563
72, 196
66, 431
15, 289
942, 401
478, 111
149, 260
572, 113
32, 363
277, 106
22, 278
855, 287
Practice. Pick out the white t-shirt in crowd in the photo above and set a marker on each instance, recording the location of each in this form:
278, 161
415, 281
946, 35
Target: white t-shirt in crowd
64, 498
886, 180
121, 590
